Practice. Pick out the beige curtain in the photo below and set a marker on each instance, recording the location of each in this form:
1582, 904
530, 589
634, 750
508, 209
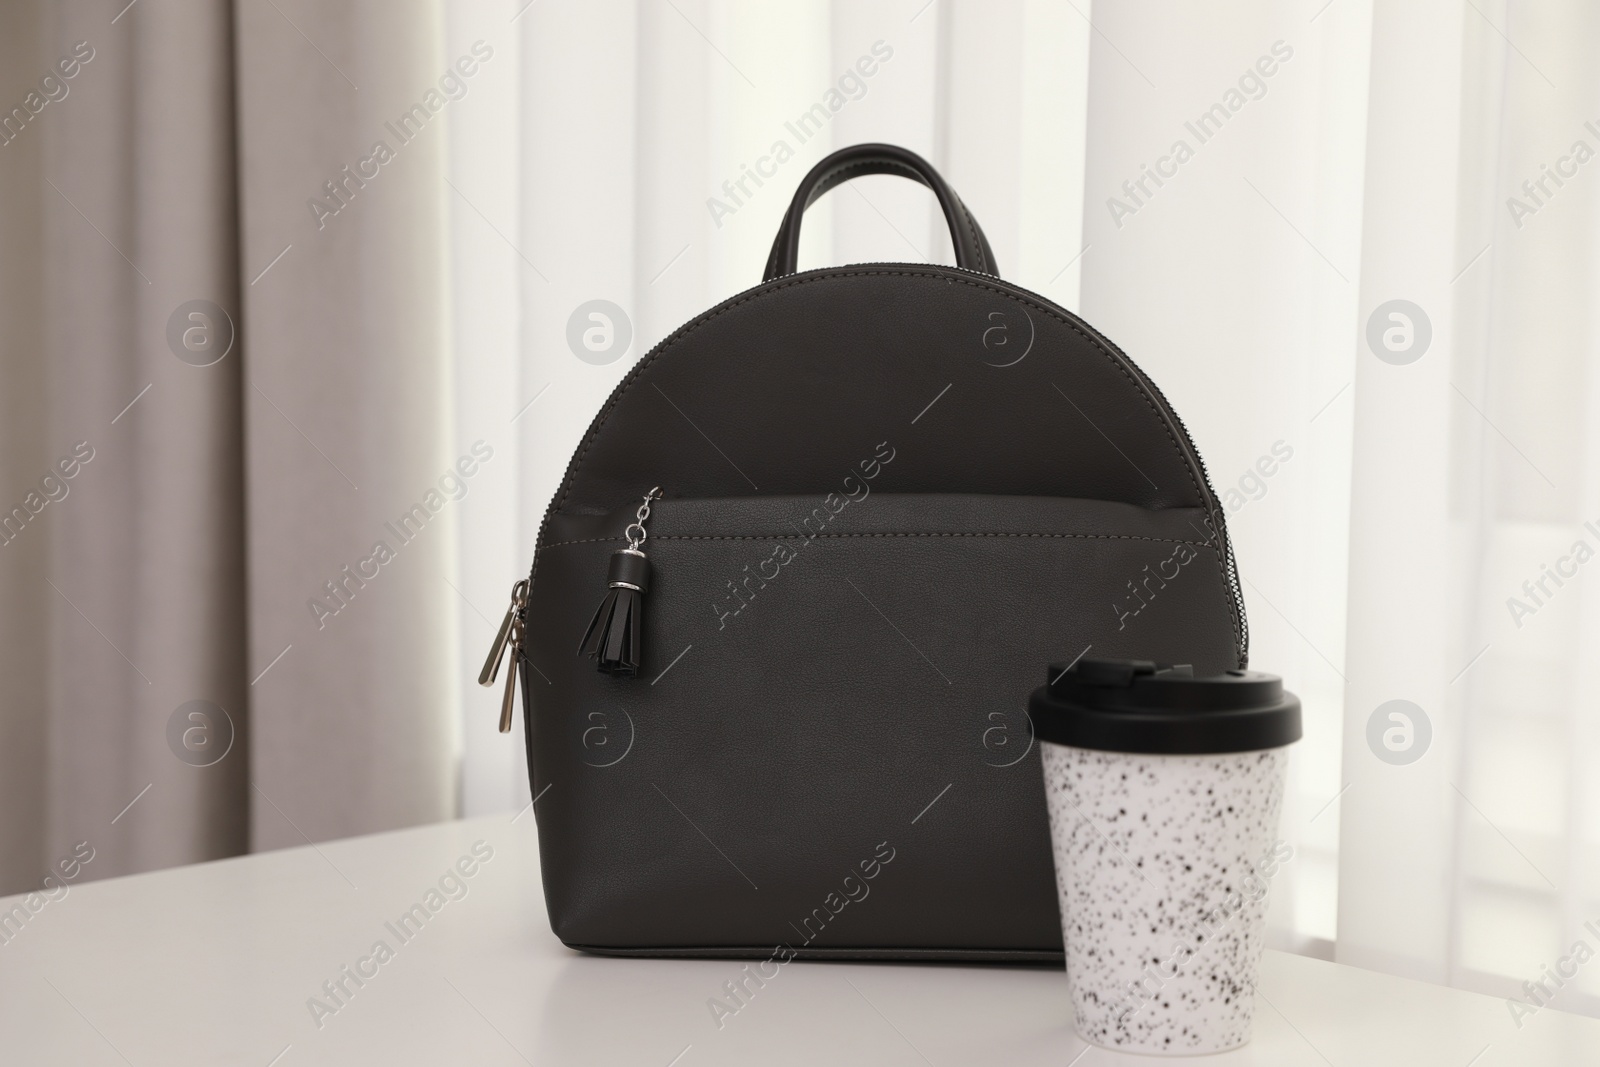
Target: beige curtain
348, 402
24, 454
243, 400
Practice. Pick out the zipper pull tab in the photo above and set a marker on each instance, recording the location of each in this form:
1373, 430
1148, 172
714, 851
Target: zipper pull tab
509, 636
508, 701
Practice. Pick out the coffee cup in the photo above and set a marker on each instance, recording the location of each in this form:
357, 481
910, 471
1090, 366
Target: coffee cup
1164, 793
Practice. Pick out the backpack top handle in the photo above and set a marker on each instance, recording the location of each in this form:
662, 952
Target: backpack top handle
971, 246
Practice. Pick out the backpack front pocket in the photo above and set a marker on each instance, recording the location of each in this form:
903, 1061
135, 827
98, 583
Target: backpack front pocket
825, 676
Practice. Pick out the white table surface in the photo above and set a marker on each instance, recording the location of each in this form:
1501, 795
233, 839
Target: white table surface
214, 964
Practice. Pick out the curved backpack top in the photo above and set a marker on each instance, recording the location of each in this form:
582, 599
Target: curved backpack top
890, 494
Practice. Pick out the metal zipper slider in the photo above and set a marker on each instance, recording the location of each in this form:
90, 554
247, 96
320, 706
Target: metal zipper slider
507, 702
508, 637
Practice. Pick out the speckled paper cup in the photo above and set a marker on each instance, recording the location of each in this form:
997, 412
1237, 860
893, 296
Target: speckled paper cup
1163, 793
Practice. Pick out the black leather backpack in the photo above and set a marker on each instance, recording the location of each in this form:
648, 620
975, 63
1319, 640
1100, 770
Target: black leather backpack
790, 599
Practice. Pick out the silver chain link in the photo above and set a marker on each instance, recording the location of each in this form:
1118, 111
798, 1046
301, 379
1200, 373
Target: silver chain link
635, 540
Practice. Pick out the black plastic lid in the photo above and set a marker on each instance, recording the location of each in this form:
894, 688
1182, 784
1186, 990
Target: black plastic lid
1140, 706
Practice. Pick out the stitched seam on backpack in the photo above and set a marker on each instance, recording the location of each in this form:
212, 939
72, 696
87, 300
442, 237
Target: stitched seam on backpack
688, 328
683, 332
673, 339
812, 537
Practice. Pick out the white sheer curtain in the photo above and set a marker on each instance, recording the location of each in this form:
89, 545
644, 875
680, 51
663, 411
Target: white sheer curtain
1385, 161
1475, 475
1387, 497
1234, 284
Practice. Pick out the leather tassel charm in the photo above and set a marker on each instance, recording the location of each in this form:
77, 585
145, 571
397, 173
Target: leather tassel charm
615, 635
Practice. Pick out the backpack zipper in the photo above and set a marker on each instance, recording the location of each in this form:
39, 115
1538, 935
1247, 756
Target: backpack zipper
509, 638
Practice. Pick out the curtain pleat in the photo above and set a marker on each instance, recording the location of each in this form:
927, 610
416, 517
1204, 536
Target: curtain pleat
25, 454
1474, 508
143, 609
1222, 210
229, 621
351, 465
